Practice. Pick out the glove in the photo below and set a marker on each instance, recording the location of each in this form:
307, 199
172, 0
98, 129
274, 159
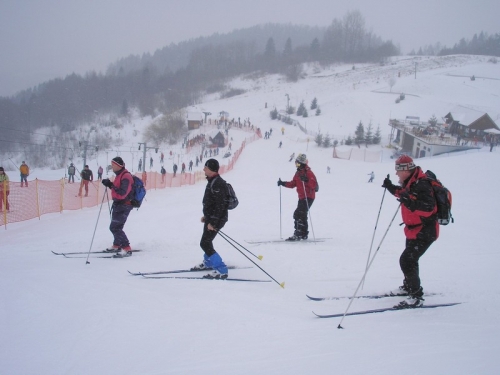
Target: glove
304, 178
406, 200
387, 183
106, 182
281, 183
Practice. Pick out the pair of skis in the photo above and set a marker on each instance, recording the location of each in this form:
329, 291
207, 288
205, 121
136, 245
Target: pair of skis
174, 274
96, 254
374, 311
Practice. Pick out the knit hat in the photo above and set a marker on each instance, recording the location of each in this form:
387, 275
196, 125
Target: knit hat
118, 161
404, 163
1, 169
213, 165
301, 158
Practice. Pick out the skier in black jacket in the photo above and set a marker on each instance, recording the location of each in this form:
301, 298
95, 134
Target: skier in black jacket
214, 218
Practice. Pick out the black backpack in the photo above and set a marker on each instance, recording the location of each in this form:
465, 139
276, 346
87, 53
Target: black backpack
231, 199
443, 199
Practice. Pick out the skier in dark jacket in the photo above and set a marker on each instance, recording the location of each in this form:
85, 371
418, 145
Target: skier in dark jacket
87, 176
305, 182
418, 209
214, 218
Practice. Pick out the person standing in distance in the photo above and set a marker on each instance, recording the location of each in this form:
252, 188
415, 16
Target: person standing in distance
305, 182
87, 176
214, 218
121, 192
418, 209
71, 173
25, 172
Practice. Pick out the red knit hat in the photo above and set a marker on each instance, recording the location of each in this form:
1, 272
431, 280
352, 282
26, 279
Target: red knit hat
404, 163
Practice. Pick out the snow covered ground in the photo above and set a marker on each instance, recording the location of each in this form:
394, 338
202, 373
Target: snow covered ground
63, 316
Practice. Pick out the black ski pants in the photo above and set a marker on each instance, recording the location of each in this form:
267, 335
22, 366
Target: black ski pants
300, 216
409, 262
206, 242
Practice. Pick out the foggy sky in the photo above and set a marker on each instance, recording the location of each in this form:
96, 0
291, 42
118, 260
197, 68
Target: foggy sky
46, 39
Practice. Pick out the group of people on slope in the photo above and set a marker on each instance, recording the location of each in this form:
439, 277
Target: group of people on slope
418, 210
414, 192
215, 214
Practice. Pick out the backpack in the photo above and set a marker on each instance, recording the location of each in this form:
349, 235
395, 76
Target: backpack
138, 192
443, 199
231, 199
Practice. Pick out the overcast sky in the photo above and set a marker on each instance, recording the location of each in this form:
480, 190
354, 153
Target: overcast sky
46, 39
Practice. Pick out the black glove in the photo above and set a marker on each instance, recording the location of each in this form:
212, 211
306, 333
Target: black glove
387, 183
106, 182
304, 178
406, 200
281, 183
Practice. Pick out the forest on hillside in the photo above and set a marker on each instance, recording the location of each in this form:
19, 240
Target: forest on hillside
180, 74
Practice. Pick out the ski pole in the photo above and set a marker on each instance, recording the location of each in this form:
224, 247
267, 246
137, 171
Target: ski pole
280, 284
93, 235
374, 230
309, 212
367, 268
281, 235
259, 257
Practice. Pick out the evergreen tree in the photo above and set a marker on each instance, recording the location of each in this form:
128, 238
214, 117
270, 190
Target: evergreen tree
319, 139
314, 50
287, 52
314, 103
305, 113
360, 133
369, 134
301, 109
377, 137
318, 111
327, 141
270, 56
348, 141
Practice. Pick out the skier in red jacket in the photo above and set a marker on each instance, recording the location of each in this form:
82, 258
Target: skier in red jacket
305, 182
418, 209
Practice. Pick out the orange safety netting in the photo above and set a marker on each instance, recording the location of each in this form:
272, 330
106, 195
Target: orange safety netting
41, 197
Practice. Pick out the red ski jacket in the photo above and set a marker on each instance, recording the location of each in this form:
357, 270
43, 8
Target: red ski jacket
421, 221
310, 185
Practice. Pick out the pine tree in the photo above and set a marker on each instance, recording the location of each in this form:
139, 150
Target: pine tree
327, 141
319, 139
305, 114
377, 137
318, 111
369, 134
348, 141
360, 133
301, 109
314, 103
314, 50
274, 114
